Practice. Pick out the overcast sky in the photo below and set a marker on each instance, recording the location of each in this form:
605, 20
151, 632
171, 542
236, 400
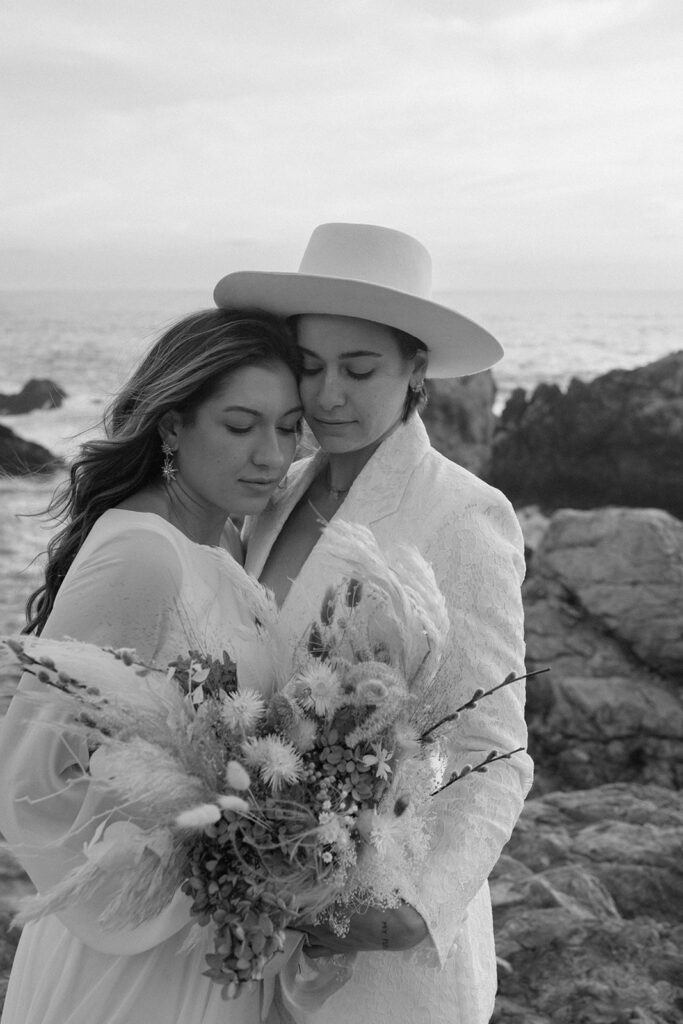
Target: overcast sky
162, 143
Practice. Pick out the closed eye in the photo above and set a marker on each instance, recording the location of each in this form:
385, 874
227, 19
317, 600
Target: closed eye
312, 371
294, 429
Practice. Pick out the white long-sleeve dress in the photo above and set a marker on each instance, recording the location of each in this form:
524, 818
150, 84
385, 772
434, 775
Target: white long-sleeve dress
408, 493
136, 582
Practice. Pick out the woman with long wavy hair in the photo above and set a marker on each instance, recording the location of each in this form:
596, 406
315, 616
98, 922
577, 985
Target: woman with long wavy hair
147, 558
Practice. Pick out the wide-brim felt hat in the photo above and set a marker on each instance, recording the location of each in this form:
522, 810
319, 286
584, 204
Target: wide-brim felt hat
373, 273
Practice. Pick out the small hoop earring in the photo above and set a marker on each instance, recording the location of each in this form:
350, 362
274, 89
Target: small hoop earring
168, 469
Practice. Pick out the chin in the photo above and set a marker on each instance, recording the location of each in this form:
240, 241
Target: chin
335, 444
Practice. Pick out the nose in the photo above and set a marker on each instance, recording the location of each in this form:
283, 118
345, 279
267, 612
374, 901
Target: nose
270, 451
331, 391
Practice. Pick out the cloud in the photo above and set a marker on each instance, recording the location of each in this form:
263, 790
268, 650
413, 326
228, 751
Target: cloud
225, 131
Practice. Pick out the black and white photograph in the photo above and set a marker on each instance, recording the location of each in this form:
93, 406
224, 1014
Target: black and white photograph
341, 512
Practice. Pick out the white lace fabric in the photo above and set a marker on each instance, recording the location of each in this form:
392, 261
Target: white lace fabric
409, 494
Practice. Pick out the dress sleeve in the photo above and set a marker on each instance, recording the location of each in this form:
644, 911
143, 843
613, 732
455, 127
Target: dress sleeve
120, 594
478, 562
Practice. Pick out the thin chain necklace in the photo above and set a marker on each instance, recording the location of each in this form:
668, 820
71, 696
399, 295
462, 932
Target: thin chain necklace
334, 492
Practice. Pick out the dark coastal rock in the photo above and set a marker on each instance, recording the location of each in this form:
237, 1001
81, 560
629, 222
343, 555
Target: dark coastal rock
604, 607
460, 421
19, 457
617, 440
37, 393
534, 525
588, 909
14, 884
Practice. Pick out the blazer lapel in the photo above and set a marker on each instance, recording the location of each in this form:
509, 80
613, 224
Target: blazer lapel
378, 489
260, 531
376, 492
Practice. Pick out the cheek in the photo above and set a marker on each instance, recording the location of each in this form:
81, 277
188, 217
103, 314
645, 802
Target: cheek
288, 446
307, 391
381, 401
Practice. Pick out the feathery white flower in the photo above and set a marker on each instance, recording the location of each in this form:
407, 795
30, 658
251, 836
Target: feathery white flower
379, 760
387, 833
243, 709
198, 817
278, 762
236, 777
233, 803
318, 689
332, 830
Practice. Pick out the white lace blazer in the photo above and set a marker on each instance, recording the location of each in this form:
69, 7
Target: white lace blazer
409, 493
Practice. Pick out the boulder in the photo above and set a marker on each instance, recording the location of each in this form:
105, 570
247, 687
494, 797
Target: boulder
37, 393
14, 884
534, 525
588, 909
19, 457
624, 567
617, 440
460, 421
604, 607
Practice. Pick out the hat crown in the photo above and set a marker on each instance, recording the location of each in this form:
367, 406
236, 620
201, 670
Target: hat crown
369, 253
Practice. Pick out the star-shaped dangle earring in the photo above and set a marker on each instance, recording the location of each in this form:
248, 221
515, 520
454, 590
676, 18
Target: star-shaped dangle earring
168, 469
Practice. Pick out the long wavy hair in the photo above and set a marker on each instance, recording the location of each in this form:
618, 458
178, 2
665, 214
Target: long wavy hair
185, 367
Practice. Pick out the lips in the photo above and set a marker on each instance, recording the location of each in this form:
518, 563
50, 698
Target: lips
261, 483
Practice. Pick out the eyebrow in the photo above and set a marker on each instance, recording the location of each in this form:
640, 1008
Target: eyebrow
258, 412
345, 355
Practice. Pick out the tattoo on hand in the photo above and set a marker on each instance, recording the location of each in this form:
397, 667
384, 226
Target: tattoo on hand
384, 929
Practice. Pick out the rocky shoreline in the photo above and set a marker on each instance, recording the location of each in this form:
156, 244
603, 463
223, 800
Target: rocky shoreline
19, 457
588, 894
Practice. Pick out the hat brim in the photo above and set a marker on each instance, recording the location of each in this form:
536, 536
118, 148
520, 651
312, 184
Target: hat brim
456, 345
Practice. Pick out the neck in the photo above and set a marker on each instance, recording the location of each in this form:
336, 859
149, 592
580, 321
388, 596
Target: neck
171, 502
201, 525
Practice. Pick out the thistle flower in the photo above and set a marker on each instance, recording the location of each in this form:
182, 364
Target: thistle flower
198, 817
302, 733
243, 709
278, 762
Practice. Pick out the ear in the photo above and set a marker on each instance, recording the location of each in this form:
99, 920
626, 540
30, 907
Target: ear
169, 428
420, 360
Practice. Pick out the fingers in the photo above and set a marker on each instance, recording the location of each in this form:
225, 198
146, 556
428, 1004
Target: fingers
315, 952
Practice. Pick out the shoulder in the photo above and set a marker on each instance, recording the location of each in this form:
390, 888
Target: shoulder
445, 507
132, 544
455, 488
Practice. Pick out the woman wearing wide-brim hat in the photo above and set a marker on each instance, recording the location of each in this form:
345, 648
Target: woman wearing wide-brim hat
370, 334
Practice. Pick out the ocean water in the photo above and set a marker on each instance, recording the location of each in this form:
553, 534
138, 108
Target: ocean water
87, 342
